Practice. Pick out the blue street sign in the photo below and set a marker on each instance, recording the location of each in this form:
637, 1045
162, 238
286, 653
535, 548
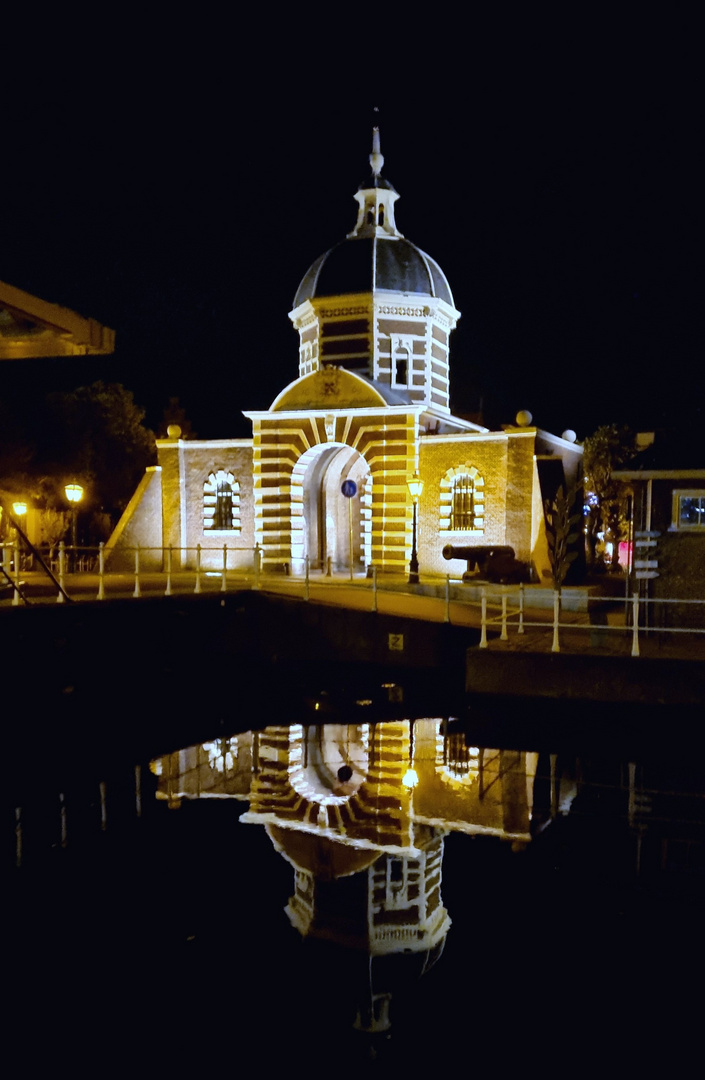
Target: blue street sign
349, 488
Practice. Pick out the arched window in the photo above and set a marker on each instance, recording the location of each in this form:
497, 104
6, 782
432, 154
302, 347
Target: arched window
221, 502
401, 356
462, 506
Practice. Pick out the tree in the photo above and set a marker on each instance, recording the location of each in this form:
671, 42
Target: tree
96, 435
607, 449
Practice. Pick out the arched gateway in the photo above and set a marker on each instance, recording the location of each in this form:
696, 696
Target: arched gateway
374, 315
325, 428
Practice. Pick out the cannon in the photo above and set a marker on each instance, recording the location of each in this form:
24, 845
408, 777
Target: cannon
495, 563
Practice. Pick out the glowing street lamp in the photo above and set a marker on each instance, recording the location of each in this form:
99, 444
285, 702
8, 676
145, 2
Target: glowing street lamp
74, 494
415, 487
19, 509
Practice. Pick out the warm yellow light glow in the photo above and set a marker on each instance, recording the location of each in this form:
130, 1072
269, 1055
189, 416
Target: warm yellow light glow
19, 508
411, 778
415, 486
74, 493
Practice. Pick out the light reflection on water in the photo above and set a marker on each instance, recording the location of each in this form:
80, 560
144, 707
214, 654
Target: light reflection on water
429, 881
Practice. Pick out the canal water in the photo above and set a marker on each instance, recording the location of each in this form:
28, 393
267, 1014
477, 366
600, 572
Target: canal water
347, 898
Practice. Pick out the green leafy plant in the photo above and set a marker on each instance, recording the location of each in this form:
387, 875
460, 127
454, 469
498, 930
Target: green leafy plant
562, 516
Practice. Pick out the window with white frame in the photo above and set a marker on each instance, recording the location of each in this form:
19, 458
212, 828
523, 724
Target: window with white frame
221, 502
401, 352
462, 506
689, 510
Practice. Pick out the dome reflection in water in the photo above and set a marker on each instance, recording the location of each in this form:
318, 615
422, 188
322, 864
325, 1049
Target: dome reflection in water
361, 813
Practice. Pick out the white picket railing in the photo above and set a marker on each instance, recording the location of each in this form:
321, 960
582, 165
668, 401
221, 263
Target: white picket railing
164, 571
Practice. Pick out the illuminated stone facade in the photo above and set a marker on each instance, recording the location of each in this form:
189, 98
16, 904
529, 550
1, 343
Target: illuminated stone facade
370, 405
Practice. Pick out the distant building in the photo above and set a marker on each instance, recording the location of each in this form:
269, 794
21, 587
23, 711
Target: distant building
371, 405
665, 486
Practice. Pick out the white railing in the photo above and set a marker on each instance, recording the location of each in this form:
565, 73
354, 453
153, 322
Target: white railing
637, 615
91, 573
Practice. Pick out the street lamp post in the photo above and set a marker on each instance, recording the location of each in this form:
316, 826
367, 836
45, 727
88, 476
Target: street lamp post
415, 487
19, 509
74, 494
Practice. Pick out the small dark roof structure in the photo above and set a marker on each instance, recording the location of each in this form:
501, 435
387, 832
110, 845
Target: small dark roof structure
373, 263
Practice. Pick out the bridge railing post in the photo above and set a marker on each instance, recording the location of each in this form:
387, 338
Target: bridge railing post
16, 590
520, 629
101, 571
483, 620
504, 636
556, 645
446, 615
635, 624
167, 591
197, 587
374, 588
224, 584
62, 572
137, 590
306, 581
257, 566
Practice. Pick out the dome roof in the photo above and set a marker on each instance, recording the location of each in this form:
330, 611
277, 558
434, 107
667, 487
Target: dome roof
371, 263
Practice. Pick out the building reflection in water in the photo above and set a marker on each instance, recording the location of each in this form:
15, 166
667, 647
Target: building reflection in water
360, 812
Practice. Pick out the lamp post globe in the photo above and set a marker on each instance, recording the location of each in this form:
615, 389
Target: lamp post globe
74, 494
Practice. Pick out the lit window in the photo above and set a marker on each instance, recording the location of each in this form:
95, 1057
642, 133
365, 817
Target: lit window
221, 502
689, 510
462, 506
462, 511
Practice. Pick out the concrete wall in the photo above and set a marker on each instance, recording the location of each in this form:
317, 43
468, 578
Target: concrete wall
140, 526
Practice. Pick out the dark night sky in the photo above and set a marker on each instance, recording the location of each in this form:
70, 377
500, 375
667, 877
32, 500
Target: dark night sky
176, 187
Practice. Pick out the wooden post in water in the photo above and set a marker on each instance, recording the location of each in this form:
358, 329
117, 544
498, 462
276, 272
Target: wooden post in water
138, 790
62, 813
103, 806
18, 836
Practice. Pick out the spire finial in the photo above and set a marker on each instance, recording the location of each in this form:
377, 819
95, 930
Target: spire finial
376, 159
